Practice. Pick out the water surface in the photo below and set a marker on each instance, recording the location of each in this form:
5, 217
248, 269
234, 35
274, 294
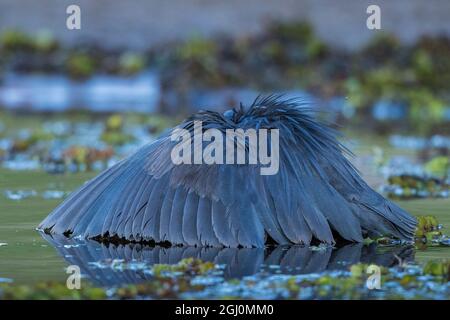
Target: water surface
27, 257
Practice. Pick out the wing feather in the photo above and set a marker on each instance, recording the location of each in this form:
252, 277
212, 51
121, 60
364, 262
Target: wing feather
189, 224
315, 192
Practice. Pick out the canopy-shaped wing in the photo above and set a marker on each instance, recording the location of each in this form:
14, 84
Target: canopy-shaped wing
315, 193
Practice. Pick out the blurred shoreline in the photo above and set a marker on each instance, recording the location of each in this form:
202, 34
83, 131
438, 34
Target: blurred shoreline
138, 24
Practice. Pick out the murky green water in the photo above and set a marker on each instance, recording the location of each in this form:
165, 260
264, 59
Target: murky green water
28, 258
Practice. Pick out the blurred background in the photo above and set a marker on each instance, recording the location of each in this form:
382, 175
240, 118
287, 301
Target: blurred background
158, 61
178, 56
73, 102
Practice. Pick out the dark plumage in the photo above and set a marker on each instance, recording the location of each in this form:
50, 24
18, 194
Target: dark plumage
316, 194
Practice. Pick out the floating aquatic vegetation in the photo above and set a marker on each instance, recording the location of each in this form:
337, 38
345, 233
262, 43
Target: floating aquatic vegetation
413, 186
438, 269
15, 40
61, 146
188, 266
114, 123
438, 166
131, 63
398, 282
80, 65
190, 279
198, 50
429, 233
359, 270
388, 241
80, 158
29, 139
424, 119
114, 134
45, 42
390, 77
427, 224
408, 179
49, 290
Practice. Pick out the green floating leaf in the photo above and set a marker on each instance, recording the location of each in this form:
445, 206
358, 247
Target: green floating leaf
438, 268
438, 166
425, 225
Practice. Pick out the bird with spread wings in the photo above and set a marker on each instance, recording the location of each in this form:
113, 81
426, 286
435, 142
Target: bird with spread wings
316, 195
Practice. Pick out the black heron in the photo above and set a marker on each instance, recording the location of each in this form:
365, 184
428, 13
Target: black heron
316, 195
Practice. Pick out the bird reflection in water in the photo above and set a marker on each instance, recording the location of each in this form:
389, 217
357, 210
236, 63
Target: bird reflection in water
238, 262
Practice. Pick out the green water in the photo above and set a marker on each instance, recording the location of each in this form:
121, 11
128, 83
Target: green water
27, 258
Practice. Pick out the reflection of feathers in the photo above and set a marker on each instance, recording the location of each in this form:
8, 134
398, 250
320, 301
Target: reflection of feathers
315, 194
237, 262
